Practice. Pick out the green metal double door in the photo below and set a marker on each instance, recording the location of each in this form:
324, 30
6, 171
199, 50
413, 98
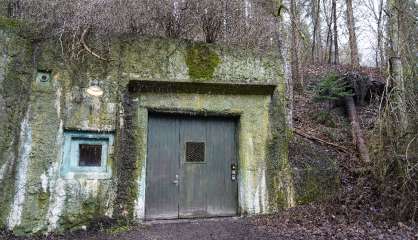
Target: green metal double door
191, 167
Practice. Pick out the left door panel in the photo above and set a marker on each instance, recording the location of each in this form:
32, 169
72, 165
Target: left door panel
162, 168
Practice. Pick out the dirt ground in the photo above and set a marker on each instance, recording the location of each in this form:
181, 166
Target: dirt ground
305, 222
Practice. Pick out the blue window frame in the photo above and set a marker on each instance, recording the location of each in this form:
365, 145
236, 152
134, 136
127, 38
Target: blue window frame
93, 147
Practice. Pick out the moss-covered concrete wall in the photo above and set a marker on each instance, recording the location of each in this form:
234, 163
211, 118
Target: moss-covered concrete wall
38, 199
314, 170
15, 76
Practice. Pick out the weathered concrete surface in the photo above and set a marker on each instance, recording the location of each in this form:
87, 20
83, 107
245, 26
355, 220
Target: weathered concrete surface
15, 76
314, 170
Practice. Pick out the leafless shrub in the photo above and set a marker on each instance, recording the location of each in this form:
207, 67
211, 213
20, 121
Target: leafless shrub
395, 162
175, 19
248, 23
213, 17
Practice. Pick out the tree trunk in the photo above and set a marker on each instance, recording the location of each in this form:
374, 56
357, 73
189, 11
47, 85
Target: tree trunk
284, 57
328, 44
397, 79
335, 35
328, 57
319, 33
295, 65
357, 134
316, 35
397, 82
352, 35
380, 50
13, 8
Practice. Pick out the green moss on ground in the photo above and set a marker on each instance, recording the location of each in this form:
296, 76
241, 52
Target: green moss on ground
324, 118
118, 229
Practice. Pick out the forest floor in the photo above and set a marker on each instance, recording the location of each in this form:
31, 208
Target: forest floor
304, 222
354, 213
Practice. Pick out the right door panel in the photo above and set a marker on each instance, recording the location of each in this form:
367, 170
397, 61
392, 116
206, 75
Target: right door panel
222, 195
206, 187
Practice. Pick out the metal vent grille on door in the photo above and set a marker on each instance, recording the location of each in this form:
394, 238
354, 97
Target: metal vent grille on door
195, 152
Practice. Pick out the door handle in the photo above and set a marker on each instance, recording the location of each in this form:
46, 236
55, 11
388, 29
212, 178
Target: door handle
176, 181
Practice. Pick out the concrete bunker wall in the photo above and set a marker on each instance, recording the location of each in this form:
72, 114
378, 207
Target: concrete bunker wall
15, 77
38, 199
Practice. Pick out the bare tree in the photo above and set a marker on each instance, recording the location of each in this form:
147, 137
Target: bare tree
330, 12
295, 46
395, 10
352, 34
398, 121
280, 33
378, 16
335, 33
328, 19
374, 11
316, 50
13, 8
380, 35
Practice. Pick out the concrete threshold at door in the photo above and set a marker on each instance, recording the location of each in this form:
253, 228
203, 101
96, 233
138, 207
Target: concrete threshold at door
188, 220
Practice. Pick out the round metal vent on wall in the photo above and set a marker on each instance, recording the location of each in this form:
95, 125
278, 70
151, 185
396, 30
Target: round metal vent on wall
43, 78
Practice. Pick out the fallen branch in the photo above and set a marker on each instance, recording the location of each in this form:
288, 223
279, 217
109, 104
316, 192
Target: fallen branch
83, 42
358, 138
339, 147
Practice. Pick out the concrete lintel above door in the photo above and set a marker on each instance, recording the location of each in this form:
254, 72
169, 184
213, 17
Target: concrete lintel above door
138, 86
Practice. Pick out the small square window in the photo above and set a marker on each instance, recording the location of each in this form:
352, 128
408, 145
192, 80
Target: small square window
90, 155
87, 154
195, 152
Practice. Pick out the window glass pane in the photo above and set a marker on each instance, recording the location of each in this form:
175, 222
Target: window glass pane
90, 155
195, 152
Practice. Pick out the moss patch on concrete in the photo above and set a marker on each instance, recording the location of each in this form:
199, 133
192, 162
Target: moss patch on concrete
201, 61
43, 199
127, 169
9, 24
16, 26
315, 172
314, 185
